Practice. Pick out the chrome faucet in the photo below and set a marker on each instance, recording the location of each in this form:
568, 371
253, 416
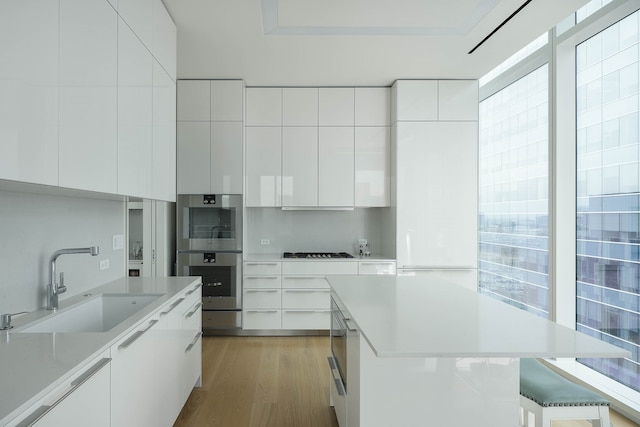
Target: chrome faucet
54, 289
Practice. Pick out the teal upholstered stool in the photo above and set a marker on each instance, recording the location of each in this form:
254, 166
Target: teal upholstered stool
549, 396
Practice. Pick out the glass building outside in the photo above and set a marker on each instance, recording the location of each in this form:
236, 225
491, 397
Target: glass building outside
608, 195
513, 194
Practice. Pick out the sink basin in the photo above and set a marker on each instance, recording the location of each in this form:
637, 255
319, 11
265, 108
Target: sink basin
98, 314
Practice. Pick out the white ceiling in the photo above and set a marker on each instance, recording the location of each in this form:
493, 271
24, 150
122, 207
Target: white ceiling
352, 42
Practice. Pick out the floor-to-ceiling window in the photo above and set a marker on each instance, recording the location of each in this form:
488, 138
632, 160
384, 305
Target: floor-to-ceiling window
513, 194
608, 194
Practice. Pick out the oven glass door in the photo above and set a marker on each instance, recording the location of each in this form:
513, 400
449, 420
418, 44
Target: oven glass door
210, 222
221, 278
339, 341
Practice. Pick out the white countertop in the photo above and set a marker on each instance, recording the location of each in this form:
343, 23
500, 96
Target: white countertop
32, 364
413, 317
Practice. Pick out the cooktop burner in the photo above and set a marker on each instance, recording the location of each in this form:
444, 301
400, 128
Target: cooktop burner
317, 255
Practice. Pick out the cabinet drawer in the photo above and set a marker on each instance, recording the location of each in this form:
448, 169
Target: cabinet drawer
192, 320
303, 282
376, 267
261, 298
306, 298
262, 268
261, 282
320, 267
261, 319
306, 319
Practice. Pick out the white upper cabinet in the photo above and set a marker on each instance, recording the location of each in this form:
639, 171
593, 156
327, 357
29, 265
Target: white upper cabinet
415, 100
194, 158
88, 151
300, 107
29, 91
263, 107
138, 14
226, 157
164, 135
194, 100
336, 106
135, 115
335, 166
372, 166
372, 106
300, 166
263, 167
164, 39
458, 100
227, 101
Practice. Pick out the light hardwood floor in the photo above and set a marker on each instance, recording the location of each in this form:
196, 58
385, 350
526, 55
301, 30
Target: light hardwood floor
273, 382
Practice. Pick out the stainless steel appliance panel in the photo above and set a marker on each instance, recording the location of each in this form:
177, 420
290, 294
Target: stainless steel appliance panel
209, 222
213, 321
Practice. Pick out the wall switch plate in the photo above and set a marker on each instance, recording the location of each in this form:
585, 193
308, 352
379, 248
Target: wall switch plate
104, 264
265, 242
118, 241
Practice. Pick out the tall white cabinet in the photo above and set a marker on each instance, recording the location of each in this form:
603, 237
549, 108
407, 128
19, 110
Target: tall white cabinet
77, 108
435, 138
210, 136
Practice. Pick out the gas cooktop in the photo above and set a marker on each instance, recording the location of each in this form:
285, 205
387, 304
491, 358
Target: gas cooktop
316, 255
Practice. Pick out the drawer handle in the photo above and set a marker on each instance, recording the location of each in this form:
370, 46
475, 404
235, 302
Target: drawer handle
261, 311
306, 311
261, 290
307, 291
195, 310
334, 369
262, 263
377, 263
194, 289
262, 277
174, 305
438, 267
305, 277
83, 378
135, 336
193, 342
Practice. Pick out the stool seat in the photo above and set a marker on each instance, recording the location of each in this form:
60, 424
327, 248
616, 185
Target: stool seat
548, 395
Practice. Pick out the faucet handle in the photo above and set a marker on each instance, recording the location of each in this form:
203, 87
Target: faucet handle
61, 287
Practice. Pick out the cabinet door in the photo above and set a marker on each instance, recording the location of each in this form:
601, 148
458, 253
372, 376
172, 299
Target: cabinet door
191, 349
300, 166
263, 166
84, 401
29, 90
194, 100
372, 166
458, 100
135, 115
227, 101
300, 107
437, 194
336, 166
336, 106
372, 106
264, 107
164, 39
88, 96
226, 157
414, 100
194, 158
164, 135
133, 378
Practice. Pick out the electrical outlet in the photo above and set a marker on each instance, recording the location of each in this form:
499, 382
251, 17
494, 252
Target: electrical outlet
104, 264
265, 242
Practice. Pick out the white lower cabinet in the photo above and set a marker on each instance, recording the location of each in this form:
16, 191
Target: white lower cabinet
366, 268
133, 377
82, 401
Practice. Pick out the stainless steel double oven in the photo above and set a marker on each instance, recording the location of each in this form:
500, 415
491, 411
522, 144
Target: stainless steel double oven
209, 242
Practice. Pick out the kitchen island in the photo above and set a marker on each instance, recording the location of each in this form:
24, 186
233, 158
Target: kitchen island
422, 352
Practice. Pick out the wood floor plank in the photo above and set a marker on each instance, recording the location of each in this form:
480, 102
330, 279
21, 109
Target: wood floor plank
273, 382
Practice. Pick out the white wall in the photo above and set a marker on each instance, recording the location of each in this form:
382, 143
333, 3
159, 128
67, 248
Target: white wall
315, 230
33, 226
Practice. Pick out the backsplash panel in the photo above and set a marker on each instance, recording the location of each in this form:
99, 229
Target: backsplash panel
314, 230
33, 226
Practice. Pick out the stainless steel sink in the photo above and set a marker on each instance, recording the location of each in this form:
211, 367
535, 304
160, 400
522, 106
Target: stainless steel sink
100, 313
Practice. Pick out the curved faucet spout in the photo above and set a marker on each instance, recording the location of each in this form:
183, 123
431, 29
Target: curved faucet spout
53, 288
